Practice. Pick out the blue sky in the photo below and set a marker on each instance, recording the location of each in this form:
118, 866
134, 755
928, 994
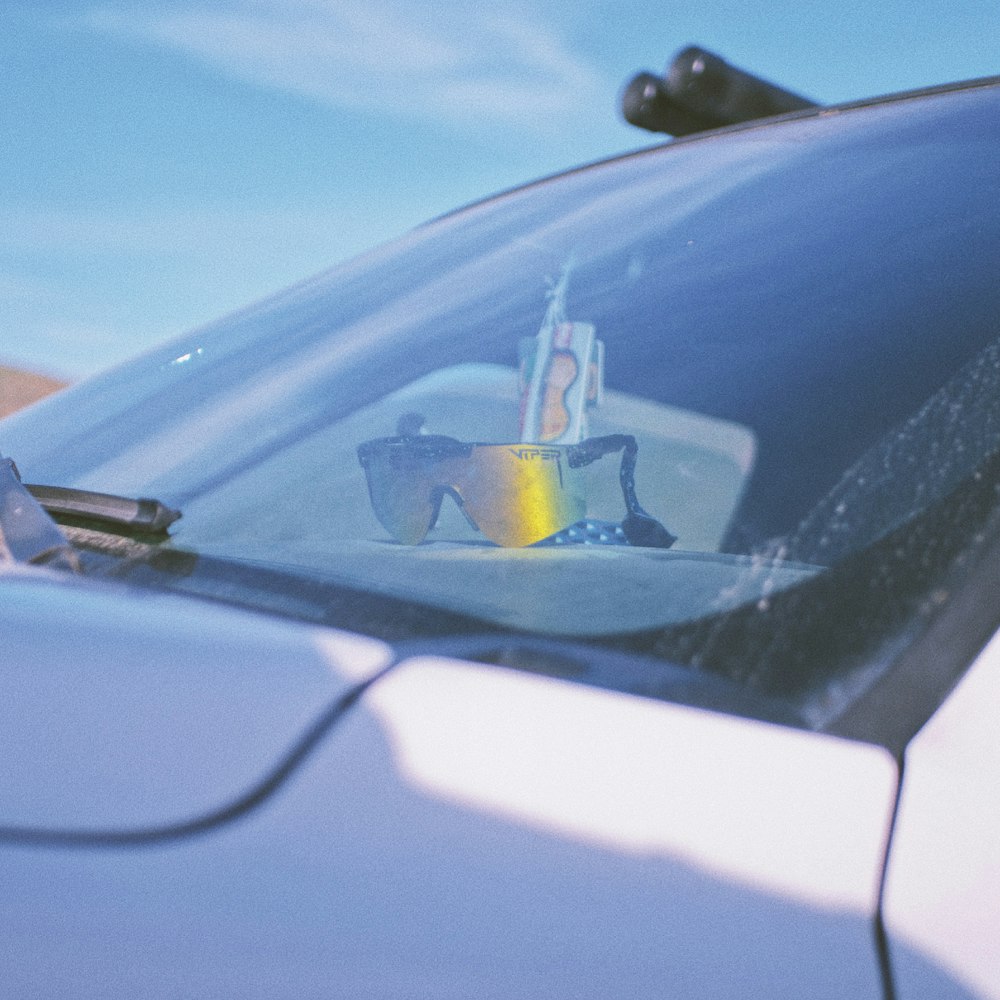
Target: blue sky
165, 163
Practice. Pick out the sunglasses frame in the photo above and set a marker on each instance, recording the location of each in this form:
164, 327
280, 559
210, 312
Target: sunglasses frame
639, 527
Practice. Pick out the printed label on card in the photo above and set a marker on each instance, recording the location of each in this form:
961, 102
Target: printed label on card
561, 375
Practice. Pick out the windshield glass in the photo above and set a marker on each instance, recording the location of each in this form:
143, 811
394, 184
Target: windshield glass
732, 403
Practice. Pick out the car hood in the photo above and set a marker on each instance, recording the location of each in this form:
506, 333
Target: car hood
131, 717
428, 785
127, 713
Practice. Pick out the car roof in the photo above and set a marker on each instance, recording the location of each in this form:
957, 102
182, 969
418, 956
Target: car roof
819, 111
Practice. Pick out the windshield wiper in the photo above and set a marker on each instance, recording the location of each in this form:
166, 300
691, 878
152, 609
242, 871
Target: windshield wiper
28, 513
142, 515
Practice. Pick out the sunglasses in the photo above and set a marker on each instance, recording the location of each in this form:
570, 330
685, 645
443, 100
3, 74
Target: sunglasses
514, 494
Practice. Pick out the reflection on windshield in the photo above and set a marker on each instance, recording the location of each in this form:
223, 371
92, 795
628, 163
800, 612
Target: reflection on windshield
732, 403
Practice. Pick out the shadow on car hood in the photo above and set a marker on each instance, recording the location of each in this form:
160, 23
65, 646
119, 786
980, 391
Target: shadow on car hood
131, 716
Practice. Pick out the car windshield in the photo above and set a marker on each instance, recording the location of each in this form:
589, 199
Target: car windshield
733, 403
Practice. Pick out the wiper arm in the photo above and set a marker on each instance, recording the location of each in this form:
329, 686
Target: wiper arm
27, 533
142, 515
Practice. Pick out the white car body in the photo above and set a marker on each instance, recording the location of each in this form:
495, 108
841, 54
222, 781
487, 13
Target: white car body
227, 774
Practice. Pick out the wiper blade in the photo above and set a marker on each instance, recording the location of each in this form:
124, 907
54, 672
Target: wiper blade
142, 515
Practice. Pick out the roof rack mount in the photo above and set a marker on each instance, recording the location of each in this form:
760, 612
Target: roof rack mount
701, 91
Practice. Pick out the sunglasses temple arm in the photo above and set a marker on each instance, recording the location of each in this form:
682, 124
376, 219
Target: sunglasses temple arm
640, 528
591, 449
626, 475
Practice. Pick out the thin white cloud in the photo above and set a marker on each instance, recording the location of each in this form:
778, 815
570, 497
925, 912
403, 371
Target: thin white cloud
16, 287
187, 232
453, 63
84, 288
64, 346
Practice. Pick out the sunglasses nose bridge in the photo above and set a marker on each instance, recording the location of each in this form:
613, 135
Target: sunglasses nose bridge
435, 497
455, 492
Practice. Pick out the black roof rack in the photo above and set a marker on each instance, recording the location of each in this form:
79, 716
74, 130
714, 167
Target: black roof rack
701, 91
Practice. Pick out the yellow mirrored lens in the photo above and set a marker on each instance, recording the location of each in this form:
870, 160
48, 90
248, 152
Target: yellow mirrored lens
521, 493
515, 494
